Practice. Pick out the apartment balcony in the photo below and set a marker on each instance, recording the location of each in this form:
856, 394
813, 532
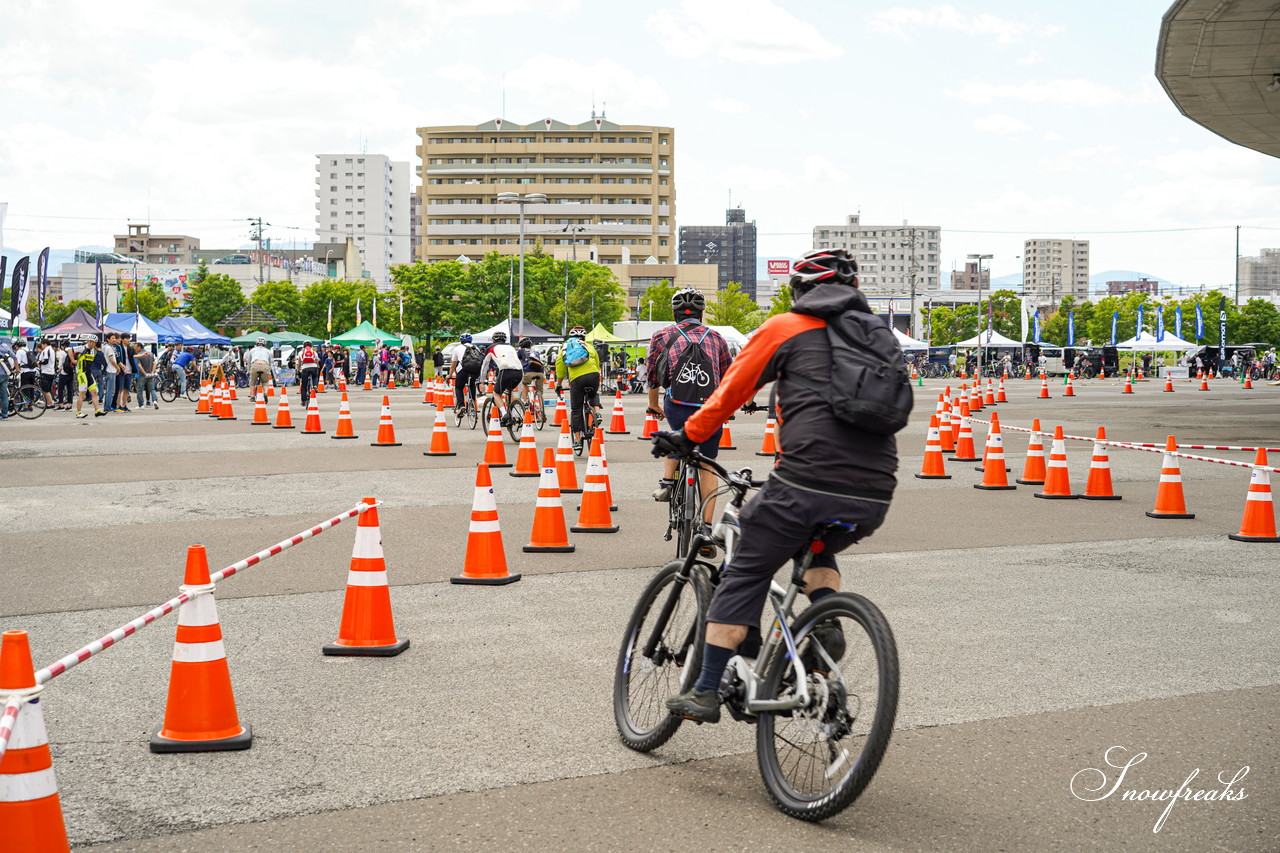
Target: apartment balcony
441, 169
447, 211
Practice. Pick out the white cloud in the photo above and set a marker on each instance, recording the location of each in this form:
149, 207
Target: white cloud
1053, 136
555, 83
900, 21
1000, 124
1031, 58
738, 31
1085, 159
1070, 93
819, 169
729, 105
409, 26
815, 170
464, 73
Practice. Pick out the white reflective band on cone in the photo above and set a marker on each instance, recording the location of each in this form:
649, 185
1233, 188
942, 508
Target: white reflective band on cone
368, 543
484, 526
199, 652
1170, 478
544, 503
484, 499
1259, 496
23, 787
201, 610
367, 578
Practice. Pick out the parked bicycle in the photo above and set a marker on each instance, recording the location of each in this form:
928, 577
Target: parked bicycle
822, 688
26, 401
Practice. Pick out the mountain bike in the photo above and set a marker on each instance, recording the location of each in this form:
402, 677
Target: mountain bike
26, 401
467, 411
822, 689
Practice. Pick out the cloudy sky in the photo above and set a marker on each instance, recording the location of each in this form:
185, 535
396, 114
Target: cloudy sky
997, 120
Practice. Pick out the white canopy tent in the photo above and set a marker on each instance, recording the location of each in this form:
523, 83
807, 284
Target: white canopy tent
988, 338
907, 342
730, 334
1147, 342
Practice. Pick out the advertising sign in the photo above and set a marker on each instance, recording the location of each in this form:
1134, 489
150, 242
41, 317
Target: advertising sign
779, 267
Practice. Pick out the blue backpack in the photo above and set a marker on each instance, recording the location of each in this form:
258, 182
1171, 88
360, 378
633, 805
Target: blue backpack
576, 353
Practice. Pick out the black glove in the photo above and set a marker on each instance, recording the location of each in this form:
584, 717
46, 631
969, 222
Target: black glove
751, 408
672, 444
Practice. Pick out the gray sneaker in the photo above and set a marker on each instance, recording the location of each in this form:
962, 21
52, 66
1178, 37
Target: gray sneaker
701, 706
831, 637
663, 492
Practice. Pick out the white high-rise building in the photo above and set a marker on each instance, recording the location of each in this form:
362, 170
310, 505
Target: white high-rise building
366, 197
1052, 269
891, 258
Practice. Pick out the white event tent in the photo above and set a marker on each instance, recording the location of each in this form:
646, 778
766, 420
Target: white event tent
907, 342
988, 338
1147, 341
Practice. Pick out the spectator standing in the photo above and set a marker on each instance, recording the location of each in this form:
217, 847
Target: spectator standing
47, 364
145, 384
8, 368
360, 360
124, 378
437, 360
66, 377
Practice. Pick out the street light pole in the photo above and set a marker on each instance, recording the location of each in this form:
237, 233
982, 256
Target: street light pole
980, 259
521, 201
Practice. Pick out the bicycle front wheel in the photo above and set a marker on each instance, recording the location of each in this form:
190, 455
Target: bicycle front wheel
168, 392
193, 391
815, 761
642, 682
30, 404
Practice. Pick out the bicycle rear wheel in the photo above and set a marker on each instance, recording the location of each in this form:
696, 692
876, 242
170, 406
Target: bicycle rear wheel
168, 392
30, 403
516, 420
641, 683
539, 414
815, 761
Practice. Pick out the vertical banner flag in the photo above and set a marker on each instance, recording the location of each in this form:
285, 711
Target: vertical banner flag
1177, 321
97, 290
991, 309
891, 312
18, 292
42, 279
4, 263
1071, 328
1035, 325
1138, 332
329, 322
1115, 319
1022, 309
928, 321
358, 318
402, 313
1199, 321
1160, 324
1221, 331
375, 310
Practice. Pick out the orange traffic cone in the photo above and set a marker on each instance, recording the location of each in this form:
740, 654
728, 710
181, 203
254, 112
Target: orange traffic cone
485, 561
650, 426
965, 451
367, 628
1057, 484
1070, 390
769, 446
618, 423
283, 419
391, 381
200, 715
593, 515
1033, 472
215, 400
975, 397
1098, 486
342, 381
260, 411
1170, 502
990, 398
604, 468
1259, 521
320, 385
368, 382
933, 467
202, 407
726, 437
1204, 382
993, 468
312, 424
566, 468
417, 383
946, 435
1128, 384
549, 534
228, 412
1044, 387
386, 429
30, 810
271, 390
230, 391
495, 454
562, 412
1248, 383
345, 429
439, 436
527, 454
1000, 395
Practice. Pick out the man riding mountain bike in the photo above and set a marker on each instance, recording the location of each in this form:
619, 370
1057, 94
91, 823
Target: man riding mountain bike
829, 469
502, 357
579, 366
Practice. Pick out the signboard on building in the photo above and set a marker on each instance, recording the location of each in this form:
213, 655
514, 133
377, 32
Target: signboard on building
174, 281
779, 267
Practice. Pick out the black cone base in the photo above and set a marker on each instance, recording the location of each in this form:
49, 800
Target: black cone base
1055, 497
163, 744
1171, 515
387, 651
613, 529
933, 476
1241, 538
993, 488
549, 549
485, 581
1101, 497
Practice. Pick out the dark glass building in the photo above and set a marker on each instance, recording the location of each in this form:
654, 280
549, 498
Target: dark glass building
732, 247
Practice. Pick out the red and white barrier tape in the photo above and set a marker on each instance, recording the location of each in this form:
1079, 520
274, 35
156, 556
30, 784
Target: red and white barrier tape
8, 720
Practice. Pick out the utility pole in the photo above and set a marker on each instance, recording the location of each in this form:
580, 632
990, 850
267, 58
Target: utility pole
1237, 265
257, 235
914, 269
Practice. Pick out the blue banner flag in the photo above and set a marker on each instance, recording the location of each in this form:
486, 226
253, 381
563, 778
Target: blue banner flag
5, 323
1071, 329
1222, 330
1035, 326
1159, 324
1177, 321
1115, 319
1138, 331
1199, 321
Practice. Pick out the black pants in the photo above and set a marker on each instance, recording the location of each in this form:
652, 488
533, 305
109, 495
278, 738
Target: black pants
308, 377
583, 389
777, 525
461, 379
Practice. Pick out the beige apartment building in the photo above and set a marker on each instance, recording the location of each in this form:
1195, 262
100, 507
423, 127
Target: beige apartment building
1052, 269
141, 245
610, 189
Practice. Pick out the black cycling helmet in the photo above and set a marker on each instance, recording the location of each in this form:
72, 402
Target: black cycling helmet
577, 332
688, 302
525, 343
823, 266
499, 337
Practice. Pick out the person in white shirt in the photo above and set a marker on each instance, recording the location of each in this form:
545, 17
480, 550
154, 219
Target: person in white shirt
46, 363
503, 358
259, 361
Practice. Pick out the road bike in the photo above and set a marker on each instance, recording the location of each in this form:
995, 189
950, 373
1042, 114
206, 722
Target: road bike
514, 410
821, 689
467, 411
26, 401
169, 387
537, 406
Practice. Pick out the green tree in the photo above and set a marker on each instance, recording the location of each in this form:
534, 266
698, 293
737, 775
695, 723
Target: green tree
214, 298
280, 299
781, 303
734, 308
655, 302
428, 291
152, 302
595, 296
56, 312
1006, 313
1259, 323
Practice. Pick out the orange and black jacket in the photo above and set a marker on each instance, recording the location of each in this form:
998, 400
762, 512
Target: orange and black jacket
820, 452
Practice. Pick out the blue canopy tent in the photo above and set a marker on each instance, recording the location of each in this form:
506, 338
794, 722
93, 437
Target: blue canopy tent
192, 332
141, 328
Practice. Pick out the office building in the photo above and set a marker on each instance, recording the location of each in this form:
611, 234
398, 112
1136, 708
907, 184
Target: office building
891, 258
970, 278
145, 247
1142, 285
365, 197
610, 189
1260, 276
731, 247
1052, 269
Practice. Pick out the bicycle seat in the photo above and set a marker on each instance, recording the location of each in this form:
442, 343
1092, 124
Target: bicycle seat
831, 525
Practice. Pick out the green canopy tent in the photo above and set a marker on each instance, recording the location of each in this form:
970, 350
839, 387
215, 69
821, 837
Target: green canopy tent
600, 333
287, 337
365, 334
249, 338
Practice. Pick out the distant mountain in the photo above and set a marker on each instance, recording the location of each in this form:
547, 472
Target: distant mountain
1098, 281
57, 257
1012, 281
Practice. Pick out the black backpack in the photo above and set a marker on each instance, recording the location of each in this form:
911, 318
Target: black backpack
869, 386
690, 379
472, 358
